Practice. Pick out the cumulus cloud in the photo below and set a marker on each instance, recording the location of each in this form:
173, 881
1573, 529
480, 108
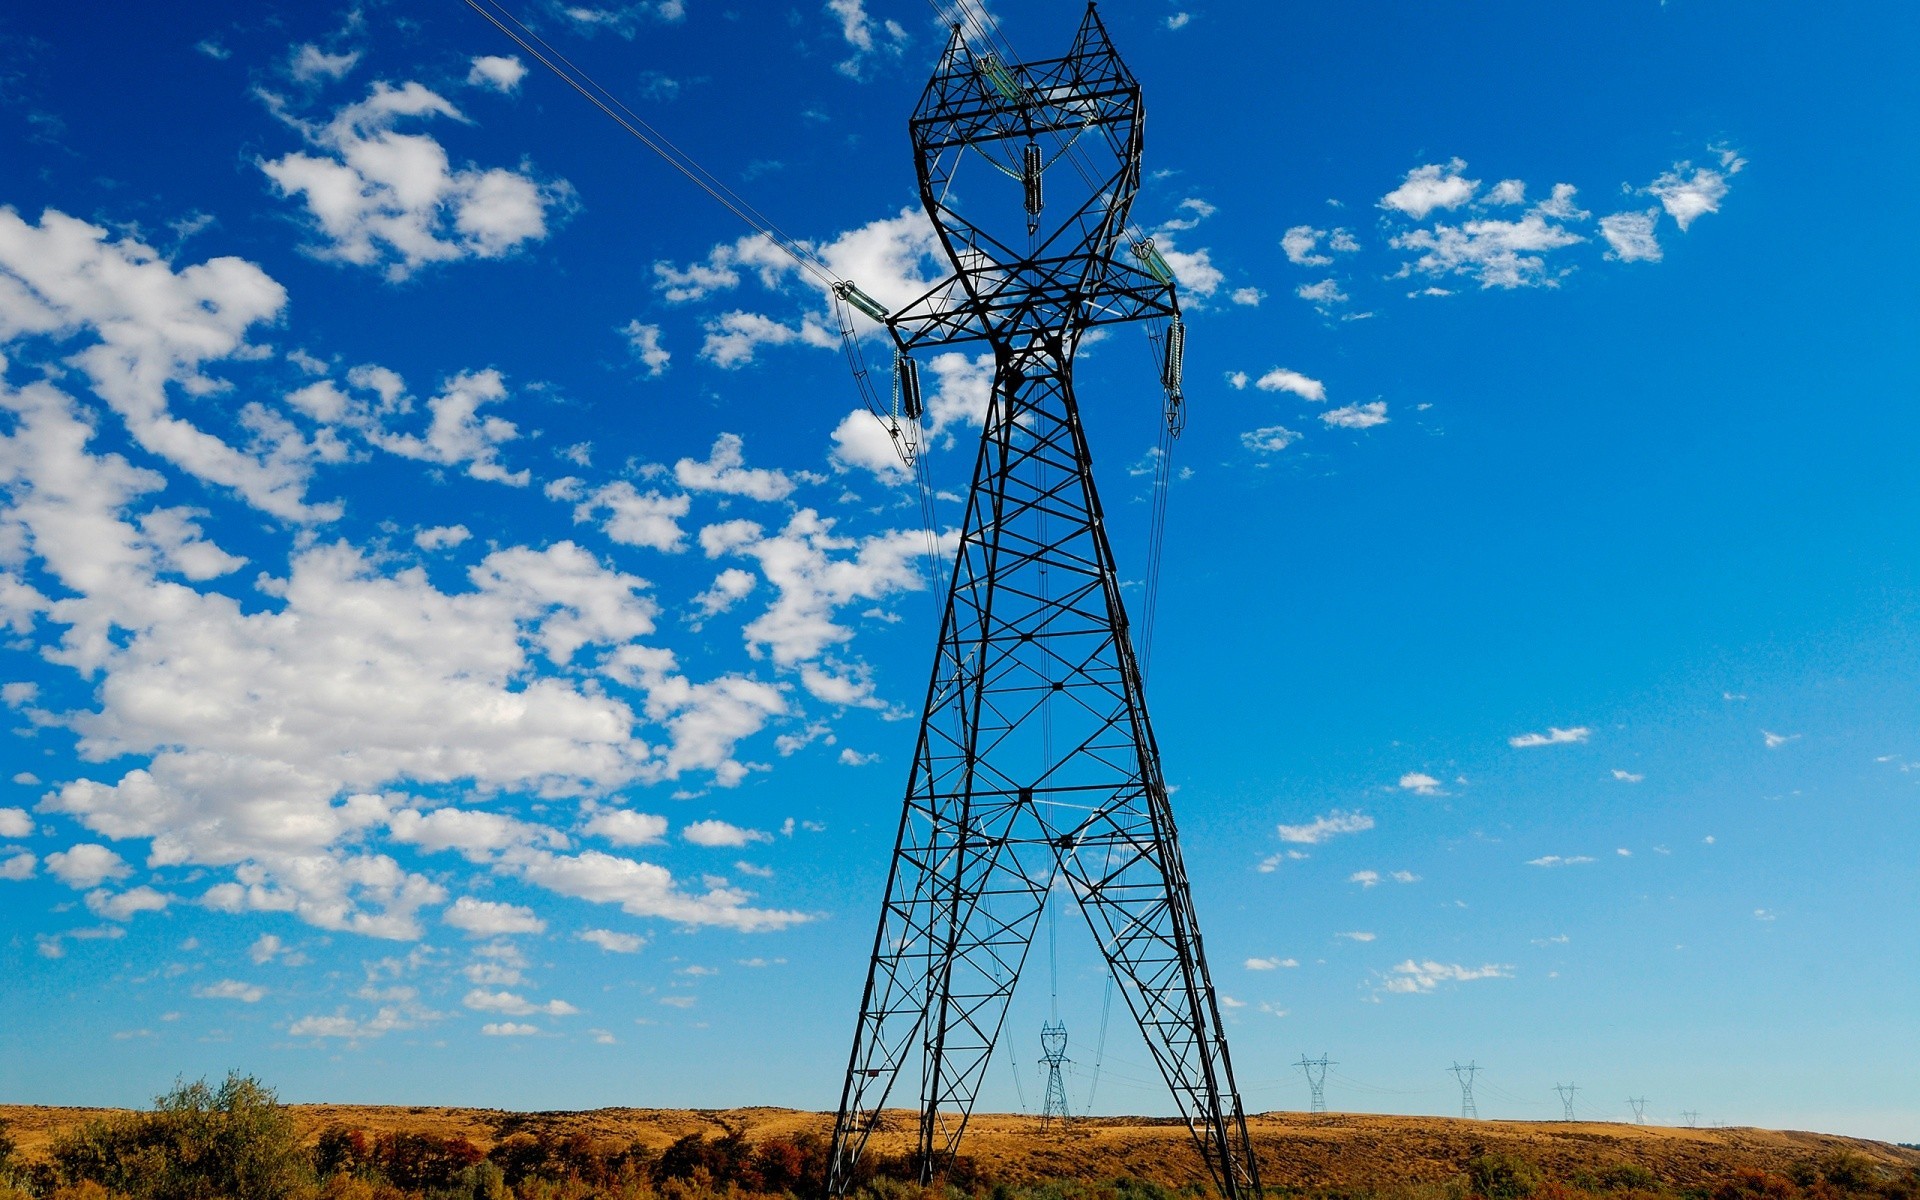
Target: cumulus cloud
1281, 379
1269, 439
1357, 416
720, 833
512, 1005
231, 989
624, 827
867, 38
391, 200
613, 943
121, 906
18, 866
508, 1029
1498, 254
644, 341
643, 889
1630, 236
1555, 860
501, 72
635, 518
1688, 192
86, 865
1420, 784
485, 918
1554, 736
1414, 978
725, 471
15, 823
1270, 964
1322, 828
1426, 188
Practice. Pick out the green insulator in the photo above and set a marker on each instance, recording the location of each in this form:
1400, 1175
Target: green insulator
851, 293
1154, 262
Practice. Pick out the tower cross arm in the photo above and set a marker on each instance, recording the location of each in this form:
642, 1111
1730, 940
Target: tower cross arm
953, 312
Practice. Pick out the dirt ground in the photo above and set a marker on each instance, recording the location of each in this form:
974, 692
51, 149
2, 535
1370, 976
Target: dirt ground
1295, 1149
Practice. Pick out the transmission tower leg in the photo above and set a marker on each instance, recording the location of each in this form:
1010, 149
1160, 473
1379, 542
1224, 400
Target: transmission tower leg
1035, 657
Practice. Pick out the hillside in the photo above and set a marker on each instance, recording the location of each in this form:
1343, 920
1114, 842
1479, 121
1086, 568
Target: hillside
1336, 1151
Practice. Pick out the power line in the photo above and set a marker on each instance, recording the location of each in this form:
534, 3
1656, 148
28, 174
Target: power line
1691, 1116
1639, 1109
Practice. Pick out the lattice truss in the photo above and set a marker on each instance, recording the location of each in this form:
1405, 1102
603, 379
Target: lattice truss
1035, 762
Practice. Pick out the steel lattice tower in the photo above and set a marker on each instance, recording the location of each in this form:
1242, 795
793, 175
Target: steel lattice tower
1035, 758
1315, 1070
1053, 1048
1468, 1110
1566, 1091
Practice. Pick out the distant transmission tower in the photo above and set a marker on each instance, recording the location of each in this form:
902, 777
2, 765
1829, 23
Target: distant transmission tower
1316, 1072
1639, 1109
1691, 1116
1465, 1076
1053, 1046
1566, 1091
1035, 754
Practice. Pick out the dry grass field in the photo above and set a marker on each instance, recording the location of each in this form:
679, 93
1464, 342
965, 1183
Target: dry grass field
1336, 1151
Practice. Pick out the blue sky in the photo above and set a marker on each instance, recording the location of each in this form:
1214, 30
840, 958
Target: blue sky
459, 646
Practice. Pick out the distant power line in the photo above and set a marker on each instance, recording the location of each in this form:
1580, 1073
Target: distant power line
1316, 1072
1566, 1091
1465, 1076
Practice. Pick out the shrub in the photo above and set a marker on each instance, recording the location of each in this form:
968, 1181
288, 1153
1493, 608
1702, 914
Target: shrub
1848, 1171
1502, 1176
1749, 1184
233, 1142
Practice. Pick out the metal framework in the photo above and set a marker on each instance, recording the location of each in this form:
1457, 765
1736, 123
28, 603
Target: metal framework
1566, 1091
1053, 1056
1035, 762
1315, 1070
1468, 1110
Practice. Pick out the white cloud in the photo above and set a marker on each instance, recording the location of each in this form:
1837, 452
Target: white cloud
1270, 964
729, 588
1554, 860
1179, 20
512, 1005
457, 434
232, 989
475, 835
1357, 936
849, 757
720, 833
1357, 416
644, 341
441, 537
868, 38
1774, 742
1404, 877
501, 72
1321, 828
1689, 193
311, 63
1429, 187
15, 823
645, 890
734, 339
635, 518
1630, 236
1250, 297
384, 1021
1554, 736
1506, 192
153, 329
264, 948
725, 471
86, 865
623, 827
1502, 254
18, 867
485, 918
121, 906
1281, 379
1365, 879
387, 199
1301, 243
1324, 294
1269, 439
1412, 978
1421, 784
679, 1001
1627, 776
613, 943
508, 1029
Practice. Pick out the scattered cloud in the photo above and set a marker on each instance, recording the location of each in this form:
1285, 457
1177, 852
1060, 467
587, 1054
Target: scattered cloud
1357, 936
1417, 978
1421, 784
15, 823
624, 827
86, 865
1552, 737
1555, 860
1689, 193
612, 942
501, 72
512, 1005
1430, 187
394, 201
485, 918
1365, 879
1321, 828
508, 1029
1357, 416
231, 989
869, 39
1269, 439
1271, 964
1630, 236
1774, 740
1281, 379
1627, 776
720, 833
644, 341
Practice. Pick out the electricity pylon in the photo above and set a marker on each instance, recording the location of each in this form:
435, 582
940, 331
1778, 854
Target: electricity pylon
1035, 757
1465, 1076
1053, 1053
1639, 1109
1316, 1073
1691, 1116
1566, 1091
